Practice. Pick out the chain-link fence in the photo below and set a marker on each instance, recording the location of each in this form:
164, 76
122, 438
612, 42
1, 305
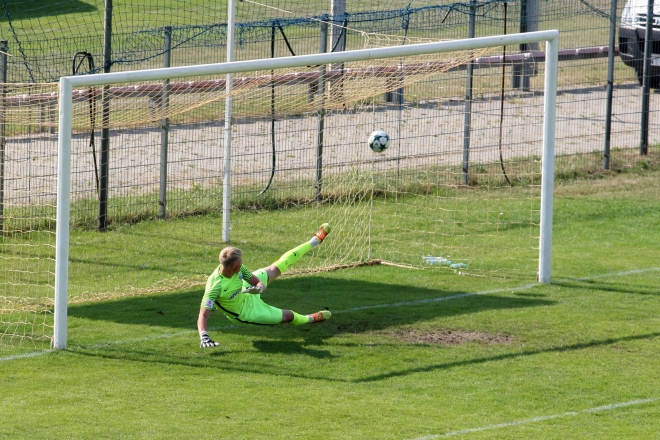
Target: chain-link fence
596, 123
476, 124
43, 40
62, 38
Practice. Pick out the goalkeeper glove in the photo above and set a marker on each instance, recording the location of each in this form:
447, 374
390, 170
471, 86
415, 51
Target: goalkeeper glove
206, 341
252, 289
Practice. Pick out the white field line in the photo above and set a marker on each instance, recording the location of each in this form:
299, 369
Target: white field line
487, 292
614, 274
541, 418
442, 298
26, 355
355, 309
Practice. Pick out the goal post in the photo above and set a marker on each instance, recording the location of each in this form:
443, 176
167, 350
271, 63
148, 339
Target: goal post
68, 84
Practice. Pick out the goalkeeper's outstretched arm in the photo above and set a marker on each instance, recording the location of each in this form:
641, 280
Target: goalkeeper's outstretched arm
202, 320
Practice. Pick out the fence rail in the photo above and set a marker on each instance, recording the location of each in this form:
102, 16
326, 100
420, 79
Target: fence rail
155, 91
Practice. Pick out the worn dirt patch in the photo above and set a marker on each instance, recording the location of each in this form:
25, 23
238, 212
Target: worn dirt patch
450, 337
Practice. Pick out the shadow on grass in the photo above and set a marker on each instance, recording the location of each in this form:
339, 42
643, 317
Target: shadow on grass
290, 347
613, 286
224, 359
45, 8
359, 306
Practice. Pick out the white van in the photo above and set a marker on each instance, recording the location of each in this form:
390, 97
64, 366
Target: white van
631, 39
632, 31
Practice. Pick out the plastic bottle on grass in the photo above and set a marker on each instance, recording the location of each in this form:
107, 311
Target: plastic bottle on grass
458, 266
437, 261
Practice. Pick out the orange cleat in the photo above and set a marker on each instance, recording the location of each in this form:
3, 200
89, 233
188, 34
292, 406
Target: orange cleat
323, 231
323, 315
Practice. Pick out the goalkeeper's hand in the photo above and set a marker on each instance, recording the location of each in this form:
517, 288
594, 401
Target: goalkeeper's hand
252, 289
206, 341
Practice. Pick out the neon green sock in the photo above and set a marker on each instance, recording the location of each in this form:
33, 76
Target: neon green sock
299, 319
292, 256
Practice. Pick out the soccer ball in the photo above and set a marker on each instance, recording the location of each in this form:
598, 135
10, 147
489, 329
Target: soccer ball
379, 141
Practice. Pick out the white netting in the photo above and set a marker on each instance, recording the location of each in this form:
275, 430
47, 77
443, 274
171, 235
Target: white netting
399, 206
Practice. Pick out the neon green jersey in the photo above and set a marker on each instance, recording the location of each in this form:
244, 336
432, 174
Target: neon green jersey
226, 292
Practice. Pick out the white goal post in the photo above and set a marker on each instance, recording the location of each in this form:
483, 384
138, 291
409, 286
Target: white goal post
67, 85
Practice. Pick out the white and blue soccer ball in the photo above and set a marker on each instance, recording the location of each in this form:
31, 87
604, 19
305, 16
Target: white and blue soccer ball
379, 141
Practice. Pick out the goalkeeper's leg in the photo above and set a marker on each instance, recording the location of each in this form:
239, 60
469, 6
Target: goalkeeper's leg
291, 257
256, 311
297, 319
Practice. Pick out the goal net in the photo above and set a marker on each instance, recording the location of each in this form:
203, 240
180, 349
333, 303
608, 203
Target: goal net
450, 193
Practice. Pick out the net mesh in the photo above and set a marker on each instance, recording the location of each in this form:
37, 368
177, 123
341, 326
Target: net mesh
27, 213
399, 207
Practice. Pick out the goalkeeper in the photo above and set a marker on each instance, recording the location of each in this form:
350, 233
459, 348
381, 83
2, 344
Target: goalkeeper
236, 291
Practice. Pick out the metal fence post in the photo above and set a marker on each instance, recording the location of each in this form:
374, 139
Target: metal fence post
648, 44
529, 22
338, 12
467, 120
321, 118
610, 86
3, 81
165, 127
105, 121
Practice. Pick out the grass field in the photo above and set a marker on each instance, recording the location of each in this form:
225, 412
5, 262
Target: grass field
408, 354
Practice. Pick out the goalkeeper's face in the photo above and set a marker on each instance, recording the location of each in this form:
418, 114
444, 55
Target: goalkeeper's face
236, 266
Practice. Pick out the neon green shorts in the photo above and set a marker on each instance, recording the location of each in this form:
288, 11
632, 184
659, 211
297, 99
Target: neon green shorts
255, 310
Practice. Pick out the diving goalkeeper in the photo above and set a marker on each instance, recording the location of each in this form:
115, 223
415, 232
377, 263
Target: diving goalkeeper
236, 291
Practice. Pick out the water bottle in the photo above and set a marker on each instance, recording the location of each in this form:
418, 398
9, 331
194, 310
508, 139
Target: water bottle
437, 260
458, 266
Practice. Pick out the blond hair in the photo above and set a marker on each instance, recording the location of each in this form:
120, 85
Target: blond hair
230, 255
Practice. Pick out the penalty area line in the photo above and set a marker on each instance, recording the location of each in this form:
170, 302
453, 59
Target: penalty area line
541, 418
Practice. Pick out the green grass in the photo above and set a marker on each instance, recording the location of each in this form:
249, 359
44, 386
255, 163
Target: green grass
574, 359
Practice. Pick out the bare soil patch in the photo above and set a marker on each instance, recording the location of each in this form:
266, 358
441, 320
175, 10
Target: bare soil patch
450, 337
